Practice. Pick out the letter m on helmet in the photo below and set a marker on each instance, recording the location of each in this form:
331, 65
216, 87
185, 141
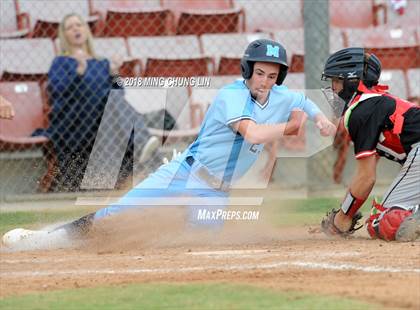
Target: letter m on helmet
273, 51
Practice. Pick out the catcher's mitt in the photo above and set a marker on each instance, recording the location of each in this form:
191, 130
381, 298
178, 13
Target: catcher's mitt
329, 228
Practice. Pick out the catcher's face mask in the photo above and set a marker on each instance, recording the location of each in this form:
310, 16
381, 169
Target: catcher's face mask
337, 104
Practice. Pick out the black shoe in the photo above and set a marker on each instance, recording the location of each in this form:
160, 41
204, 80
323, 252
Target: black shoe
79, 228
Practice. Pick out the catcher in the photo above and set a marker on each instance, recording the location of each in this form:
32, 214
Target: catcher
379, 124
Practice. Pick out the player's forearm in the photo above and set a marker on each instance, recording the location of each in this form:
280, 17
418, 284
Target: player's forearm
365, 177
264, 133
258, 134
360, 188
362, 184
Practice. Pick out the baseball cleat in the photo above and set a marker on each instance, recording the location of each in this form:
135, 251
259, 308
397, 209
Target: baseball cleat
20, 235
24, 239
78, 228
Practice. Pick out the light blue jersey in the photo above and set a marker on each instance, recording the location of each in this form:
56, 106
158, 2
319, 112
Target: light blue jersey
223, 153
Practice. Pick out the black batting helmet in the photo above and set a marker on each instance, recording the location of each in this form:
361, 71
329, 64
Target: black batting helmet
264, 50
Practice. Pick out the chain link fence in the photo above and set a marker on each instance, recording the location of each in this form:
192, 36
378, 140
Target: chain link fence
83, 71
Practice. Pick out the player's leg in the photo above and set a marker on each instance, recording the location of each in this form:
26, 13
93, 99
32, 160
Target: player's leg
169, 182
207, 207
159, 185
400, 204
405, 189
165, 182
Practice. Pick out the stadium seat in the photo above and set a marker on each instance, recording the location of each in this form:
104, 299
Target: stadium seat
266, 15
202, 97
177, 67
229, 65
409, 18
295, 80
180, 5
45, 16
396, 81
169, 47
293, 41
202, 16
27, 101
30, 114
175, 100
356, 13
26, 59
145, 22
110, 47
413, 76
210, 21
396, 47
170, 55
49, 29
12, 24
103, 6
228, 49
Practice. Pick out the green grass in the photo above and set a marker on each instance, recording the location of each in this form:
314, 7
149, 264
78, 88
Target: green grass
178, 296
282, 213
35, 219
315, 205
299, 212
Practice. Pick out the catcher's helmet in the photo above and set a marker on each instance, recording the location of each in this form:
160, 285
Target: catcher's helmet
352, 65
264, 50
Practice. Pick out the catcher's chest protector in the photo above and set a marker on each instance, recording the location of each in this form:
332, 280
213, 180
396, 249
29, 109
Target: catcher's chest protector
389, 144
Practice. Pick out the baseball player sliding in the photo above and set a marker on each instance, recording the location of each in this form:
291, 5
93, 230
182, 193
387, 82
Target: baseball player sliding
242, 118
379, 124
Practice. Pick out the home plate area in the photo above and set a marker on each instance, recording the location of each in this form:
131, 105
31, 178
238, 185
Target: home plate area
369, 270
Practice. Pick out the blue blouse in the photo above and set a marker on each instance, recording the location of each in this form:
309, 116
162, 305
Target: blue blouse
77, 102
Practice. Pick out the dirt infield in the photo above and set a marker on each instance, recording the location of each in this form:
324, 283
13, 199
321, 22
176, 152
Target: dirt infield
287, 259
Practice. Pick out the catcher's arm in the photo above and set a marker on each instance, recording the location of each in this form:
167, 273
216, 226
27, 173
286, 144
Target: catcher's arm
344, 220
365, 177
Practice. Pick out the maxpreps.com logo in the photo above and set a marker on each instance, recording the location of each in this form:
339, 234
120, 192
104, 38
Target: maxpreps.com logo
273, 51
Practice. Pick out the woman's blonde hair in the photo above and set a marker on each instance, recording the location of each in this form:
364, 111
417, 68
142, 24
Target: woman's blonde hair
64, 44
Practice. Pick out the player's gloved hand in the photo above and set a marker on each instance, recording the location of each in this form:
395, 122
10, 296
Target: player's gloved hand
175, 155
329, 228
